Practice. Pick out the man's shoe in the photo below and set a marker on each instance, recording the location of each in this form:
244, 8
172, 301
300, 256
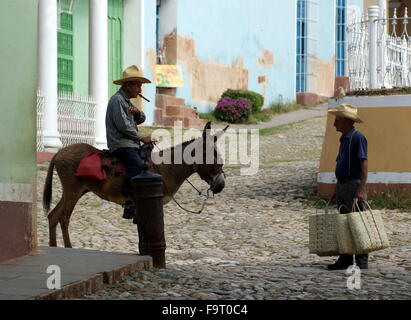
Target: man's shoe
338, 266
344, 261
362, 261
129, 213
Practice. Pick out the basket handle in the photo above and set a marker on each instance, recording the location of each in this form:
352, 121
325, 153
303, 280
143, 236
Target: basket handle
362, 218
343, 205
327, 204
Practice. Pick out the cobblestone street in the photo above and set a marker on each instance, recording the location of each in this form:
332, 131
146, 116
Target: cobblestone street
251, 242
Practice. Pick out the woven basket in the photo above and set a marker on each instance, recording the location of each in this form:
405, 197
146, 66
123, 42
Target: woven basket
368, 232
323, 235
345, 240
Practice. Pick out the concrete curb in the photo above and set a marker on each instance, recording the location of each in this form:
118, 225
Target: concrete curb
82, 272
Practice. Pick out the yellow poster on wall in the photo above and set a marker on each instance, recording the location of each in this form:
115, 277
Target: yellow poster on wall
169, 76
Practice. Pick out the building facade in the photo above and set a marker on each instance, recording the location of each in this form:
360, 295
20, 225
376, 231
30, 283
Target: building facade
18, 65
83, 46
277, 48
286, 50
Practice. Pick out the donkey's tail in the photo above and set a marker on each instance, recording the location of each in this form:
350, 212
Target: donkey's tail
48, 189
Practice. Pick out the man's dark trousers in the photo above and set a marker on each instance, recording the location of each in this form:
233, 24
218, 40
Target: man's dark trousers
130, 157
345, 193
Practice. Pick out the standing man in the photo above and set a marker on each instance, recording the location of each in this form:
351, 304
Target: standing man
123, 138
351, 173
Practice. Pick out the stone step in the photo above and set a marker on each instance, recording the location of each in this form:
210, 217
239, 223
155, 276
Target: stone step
163, 100
172, 111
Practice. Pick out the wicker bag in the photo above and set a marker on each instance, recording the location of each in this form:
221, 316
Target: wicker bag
345, 240
367, 229
322, 234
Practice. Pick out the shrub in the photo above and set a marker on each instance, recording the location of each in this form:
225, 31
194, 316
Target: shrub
256, 99
233, 110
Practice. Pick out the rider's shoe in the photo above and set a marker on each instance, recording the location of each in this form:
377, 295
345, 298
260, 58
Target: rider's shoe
129, 210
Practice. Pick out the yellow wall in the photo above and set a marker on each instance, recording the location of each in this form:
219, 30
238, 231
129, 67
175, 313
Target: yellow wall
388, 132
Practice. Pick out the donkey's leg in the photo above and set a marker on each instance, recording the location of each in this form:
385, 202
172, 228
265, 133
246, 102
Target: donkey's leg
53, 218
68, 207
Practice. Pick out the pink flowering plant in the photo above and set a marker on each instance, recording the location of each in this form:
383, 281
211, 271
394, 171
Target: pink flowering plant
233, 110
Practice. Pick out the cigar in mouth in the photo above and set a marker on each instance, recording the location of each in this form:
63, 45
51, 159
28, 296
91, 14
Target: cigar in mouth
141, 96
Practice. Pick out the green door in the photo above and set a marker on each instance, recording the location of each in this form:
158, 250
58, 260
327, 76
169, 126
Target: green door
115, 44
65, 53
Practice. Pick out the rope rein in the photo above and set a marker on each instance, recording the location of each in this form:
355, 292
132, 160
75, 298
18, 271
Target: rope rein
200, 193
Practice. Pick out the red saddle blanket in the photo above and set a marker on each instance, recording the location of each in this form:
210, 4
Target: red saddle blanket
94, 166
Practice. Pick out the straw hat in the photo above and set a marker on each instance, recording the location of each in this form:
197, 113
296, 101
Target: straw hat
132, 73
346, 111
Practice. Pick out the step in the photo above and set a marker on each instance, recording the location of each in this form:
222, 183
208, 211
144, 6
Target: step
196, 123
180, 112
163, 100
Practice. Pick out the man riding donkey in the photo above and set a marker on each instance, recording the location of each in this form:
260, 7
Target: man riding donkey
123, 137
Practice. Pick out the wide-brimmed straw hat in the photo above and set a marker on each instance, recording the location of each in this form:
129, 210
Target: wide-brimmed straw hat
132, 73
346, 111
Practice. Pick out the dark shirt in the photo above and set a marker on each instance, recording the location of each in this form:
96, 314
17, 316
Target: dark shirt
351, 168
121, 124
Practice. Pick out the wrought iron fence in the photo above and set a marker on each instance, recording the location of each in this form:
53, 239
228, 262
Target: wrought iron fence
40, 108
379, 51
76, 119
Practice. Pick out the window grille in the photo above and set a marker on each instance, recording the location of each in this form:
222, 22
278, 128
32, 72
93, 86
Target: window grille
340, 48
306, 41
115, 43
65, 53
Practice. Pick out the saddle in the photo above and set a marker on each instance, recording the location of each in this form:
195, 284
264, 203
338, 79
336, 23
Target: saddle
100, 165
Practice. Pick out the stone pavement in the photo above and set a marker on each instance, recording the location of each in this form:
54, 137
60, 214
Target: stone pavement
251, 242
82, 272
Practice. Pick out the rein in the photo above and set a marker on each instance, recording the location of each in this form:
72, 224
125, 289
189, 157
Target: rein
200, 193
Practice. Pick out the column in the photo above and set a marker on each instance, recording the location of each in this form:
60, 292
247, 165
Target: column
373, 13
47, 72
98, 65
383, 8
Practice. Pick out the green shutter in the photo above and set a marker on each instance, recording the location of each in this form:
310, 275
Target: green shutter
115, 43
65, 53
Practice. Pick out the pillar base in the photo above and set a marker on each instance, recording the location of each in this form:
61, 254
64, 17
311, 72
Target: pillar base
51, 141
101, 144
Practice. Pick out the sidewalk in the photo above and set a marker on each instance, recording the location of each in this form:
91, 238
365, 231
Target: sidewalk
283, 119
82, 272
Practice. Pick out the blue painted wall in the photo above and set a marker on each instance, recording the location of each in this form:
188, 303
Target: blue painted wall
226, 30
150, 8
326, 29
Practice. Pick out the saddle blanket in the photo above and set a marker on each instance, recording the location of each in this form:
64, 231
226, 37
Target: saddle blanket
97, 166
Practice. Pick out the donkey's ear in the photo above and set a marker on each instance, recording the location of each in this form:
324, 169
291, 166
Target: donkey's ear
219, 134
207, 130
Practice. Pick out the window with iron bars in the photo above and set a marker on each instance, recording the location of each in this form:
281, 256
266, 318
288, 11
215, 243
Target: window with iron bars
307, 21
340, 45
302, 30
115, 43
65, 53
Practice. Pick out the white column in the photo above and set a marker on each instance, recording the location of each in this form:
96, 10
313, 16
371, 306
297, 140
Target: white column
373, 13
383, 8
98, 65
47, 71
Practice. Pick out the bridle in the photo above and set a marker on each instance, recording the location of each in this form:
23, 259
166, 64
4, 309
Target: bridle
200, 193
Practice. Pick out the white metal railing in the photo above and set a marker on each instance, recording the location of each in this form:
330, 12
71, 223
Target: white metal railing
379, 51
76, 119
40, 113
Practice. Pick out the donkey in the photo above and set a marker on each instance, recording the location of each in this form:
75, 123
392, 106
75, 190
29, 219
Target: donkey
67, 160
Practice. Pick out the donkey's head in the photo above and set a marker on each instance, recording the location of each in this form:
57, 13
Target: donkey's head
210, 169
